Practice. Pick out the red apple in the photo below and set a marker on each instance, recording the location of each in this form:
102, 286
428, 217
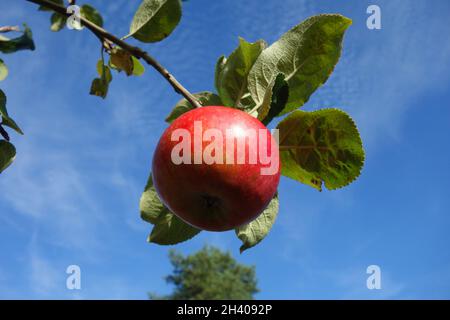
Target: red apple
207, 171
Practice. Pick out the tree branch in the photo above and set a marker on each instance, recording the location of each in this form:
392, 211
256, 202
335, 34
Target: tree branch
135, 51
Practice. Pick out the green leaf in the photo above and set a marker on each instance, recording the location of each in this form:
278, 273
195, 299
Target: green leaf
2, 103
280, 95
155, 20
254, 232
274, 99
171, 230
60, 2
58, 21
220, 64
104, 71
306, 55
9, 122
24, 42
318, 147
138, 68
3, 70
150, 205
99, 88
6, 119
7, 154
168, 229
121, 60
205, 98
231, 77
90, 13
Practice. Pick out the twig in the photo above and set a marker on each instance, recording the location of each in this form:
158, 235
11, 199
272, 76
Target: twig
135, 51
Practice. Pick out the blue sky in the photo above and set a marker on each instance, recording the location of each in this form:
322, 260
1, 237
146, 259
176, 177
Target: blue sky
72, 195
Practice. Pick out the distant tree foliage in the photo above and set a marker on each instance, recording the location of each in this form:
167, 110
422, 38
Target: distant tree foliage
209, 274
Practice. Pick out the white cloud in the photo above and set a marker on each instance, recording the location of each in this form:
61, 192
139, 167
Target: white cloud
43, 280
51, 191
3, 279
68, 160
43, 276
383, 73
352, 283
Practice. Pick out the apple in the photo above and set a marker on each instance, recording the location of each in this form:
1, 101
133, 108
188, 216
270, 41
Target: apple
216, 168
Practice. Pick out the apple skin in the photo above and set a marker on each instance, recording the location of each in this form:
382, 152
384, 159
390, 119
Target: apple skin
213, 197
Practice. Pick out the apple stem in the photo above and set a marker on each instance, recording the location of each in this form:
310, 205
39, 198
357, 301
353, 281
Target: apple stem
137, 52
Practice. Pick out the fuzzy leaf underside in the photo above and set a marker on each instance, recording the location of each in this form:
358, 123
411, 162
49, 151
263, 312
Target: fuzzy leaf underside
254, 232
168, 228
306, 55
